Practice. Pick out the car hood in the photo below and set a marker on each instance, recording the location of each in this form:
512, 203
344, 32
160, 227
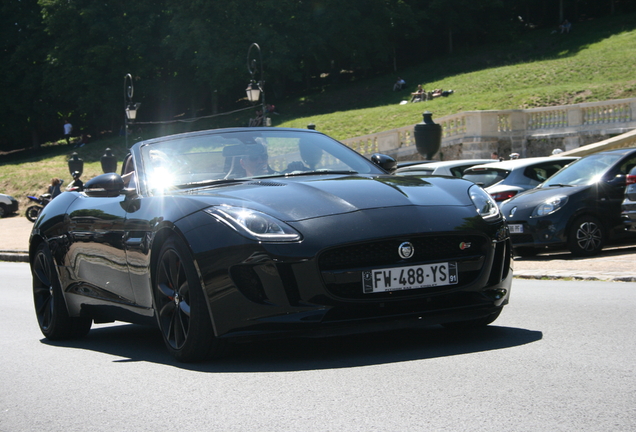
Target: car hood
533, 197
298, 198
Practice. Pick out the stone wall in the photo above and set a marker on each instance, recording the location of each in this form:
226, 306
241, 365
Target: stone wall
530, 132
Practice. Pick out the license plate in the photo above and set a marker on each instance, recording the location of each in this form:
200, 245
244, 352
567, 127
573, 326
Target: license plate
515, 228
412, 277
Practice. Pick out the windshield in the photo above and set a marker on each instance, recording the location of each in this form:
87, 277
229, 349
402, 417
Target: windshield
225, 156
584, 171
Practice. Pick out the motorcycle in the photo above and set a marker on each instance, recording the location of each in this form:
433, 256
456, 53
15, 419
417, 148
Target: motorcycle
33, 212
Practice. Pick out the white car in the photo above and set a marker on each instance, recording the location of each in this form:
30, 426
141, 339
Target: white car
451, 168
503, 180
8, 205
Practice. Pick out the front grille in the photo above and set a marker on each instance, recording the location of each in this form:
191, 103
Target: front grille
341, 268
385, 252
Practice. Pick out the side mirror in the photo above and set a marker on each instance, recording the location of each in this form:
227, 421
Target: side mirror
620, 180
105, 185
385, 162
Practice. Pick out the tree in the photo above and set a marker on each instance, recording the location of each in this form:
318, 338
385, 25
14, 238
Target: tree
25, 104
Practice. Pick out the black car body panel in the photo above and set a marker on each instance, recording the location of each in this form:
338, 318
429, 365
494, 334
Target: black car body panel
106, 249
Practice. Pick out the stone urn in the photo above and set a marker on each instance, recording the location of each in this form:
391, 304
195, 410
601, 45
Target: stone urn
428, 136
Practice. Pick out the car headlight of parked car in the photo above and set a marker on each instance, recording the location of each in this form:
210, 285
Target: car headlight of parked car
550, 205
254, 224
486, 206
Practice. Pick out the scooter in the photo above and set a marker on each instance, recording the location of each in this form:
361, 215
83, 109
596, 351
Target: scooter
33, 212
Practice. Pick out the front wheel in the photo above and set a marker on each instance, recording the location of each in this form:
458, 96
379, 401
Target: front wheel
50, 308
180, 305
586, 237
32, 213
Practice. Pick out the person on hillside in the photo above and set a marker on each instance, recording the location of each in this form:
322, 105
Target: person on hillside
257, 120
565, 27
54, 188
68, 129
83, 141
399, 84
418, 95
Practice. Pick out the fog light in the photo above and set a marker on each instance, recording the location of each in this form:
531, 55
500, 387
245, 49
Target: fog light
497, 294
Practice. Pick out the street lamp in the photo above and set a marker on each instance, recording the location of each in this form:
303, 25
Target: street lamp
130, 108
255, 89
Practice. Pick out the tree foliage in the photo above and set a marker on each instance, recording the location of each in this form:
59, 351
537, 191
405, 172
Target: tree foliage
68, 58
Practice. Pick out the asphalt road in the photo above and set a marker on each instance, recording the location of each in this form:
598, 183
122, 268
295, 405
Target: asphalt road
561, 357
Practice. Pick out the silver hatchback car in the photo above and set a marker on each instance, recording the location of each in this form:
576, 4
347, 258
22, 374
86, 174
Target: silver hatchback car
503, 180
451, 168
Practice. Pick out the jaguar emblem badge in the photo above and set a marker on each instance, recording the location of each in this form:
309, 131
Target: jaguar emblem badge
406, 250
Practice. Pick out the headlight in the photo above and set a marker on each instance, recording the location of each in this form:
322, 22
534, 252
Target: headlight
550, 205
254, 224
486, 206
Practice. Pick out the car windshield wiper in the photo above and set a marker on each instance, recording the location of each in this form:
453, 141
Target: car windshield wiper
303, 173
209, 183
560, 185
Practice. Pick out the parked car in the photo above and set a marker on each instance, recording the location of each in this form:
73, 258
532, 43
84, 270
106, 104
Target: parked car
454, 168
505, 179
8, 205
629, 201
239, 233
578, 208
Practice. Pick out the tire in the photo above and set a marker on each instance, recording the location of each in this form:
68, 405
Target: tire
50, 307
32, 213
586, 236
180, 305
476, 323
3, 210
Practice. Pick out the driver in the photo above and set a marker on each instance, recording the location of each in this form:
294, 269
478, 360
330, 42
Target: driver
254, 162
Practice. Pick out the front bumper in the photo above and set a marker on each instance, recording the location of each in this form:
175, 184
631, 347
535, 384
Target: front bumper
543, 232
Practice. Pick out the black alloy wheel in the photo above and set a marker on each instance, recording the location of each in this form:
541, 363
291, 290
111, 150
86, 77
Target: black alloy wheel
586, 236
50, 307
180, 305
3, 210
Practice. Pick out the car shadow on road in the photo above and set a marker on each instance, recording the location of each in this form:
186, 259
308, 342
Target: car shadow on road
137, 343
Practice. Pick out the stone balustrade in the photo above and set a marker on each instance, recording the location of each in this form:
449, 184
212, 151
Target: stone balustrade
529, 132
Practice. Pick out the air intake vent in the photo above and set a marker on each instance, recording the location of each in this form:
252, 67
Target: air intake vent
266, 183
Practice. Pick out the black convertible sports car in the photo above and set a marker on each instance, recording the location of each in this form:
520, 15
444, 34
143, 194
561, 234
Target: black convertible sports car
241, 233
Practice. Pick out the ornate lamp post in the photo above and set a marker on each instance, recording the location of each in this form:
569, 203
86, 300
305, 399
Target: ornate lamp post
130, 108
255, 89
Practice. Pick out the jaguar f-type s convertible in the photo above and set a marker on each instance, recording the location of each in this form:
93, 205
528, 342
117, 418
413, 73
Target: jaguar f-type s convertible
232, 234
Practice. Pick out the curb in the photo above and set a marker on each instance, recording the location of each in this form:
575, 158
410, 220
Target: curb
583, 276
14, 256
